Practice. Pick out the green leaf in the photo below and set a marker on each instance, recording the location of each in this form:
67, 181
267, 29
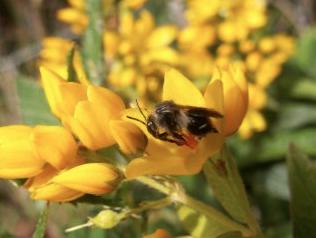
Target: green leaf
41, 224
33, 105
288, 115
304, 89
198, 225
302, 178
222, 175
275, 147
276, 182
92, 42
306, 51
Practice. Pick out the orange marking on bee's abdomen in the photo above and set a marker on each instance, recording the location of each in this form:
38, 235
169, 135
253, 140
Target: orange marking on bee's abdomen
190, 140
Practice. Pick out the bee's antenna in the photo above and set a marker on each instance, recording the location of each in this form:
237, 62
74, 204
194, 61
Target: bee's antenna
136, 119
140, 110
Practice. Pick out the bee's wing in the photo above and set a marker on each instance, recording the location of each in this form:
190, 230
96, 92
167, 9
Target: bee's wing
200, 111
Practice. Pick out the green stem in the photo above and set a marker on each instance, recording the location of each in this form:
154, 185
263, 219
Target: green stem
152, 205
177, 195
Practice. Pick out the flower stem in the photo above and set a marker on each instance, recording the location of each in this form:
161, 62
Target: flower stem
177, 194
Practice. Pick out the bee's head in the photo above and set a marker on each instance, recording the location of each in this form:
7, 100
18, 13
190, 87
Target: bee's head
152, 126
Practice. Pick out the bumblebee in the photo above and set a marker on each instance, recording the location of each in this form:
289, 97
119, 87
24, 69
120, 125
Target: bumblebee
179, 124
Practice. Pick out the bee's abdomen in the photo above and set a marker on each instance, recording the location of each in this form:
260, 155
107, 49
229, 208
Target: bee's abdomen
200, 126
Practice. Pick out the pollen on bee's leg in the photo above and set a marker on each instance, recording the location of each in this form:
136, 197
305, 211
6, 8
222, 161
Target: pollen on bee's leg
190, 141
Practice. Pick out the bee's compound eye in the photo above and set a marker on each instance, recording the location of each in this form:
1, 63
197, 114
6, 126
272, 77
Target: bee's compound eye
151, 127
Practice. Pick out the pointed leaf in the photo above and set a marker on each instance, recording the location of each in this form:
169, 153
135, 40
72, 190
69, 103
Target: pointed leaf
223, 177
302, 178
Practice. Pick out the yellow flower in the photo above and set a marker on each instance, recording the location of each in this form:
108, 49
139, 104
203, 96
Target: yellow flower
88, 112
159, 233
53, 56
163, 158
254, 120
25, 150
139, 51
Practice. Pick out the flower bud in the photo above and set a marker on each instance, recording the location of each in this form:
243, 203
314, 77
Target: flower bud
92, 178
107, 219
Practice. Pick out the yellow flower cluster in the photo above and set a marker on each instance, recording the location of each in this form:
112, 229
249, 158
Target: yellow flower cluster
152, 62
138, 53
263, 63
47, 157
76, 15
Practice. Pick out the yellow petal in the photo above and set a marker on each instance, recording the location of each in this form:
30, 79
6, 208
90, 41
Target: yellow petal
51, 81
41, 179
92, 178
79, 4
164, 158
145, 24
214, 99
235, 98
163, 54
161, 36
129, 137
55, 145
181, 90
72, 93
56, 193
90, 124
257, 120
19, 160
214, 96
105, 99
75, 17
111, 42
127, 23
13, 133
134, 4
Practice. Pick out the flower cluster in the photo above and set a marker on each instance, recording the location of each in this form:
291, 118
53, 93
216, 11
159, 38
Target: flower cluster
47, 156
153, 63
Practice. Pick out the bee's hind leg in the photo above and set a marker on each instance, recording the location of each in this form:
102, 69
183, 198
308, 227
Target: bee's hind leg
165, 137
